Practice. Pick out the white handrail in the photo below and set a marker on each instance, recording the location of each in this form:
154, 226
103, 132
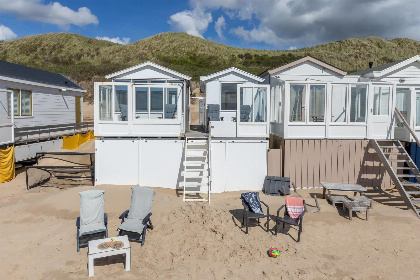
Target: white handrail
184, 168
404, 121
209, 165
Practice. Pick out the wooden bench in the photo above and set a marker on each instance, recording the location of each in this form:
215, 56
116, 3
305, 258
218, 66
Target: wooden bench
356, 206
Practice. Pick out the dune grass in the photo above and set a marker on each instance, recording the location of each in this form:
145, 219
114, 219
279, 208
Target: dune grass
86, 60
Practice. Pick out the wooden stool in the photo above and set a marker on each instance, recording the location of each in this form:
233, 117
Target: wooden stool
356, 206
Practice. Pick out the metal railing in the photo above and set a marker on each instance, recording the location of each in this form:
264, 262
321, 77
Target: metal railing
81, 171
37, 133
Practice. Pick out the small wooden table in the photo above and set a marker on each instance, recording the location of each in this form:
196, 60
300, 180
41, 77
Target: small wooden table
95, 253
356, 206
342, 188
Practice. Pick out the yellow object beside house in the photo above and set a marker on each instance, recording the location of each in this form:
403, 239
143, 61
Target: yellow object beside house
7, 164
73, 142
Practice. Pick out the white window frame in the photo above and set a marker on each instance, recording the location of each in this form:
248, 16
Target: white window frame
348, 104
307, 103
165, 87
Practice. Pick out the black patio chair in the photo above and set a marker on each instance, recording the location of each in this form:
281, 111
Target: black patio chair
253, 210
287, 219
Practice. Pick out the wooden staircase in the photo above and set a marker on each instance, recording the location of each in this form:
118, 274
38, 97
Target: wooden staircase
196, 173
392, 151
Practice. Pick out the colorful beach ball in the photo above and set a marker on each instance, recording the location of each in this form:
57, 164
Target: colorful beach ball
273, 252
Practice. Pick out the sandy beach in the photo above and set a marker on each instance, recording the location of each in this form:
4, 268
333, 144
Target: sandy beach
205, 241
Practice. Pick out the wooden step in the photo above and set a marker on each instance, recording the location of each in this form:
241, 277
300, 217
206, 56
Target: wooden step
194, 184
403, 168
407, 175
196, 177
415, 201
409, 184
194, 163
398, 160
390, 147
400, 154
196, 170
198, 200
413, 192
195, 191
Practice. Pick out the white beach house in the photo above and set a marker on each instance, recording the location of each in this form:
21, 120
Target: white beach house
141, 118
336, 127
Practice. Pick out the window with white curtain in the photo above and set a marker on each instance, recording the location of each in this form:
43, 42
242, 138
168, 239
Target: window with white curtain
297, 103
401, 100
22, 102
381, 100
358, 103
253, 104
105, 103
339, 104
316, 103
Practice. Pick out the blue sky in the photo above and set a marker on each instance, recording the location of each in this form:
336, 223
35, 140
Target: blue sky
268, 24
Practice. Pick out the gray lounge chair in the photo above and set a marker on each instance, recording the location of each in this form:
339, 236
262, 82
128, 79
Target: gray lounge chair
213, 113
170, 110
136, 220
92, 221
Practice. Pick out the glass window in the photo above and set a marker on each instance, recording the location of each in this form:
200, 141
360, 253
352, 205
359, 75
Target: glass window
402, 99
228, 97
253, 104
316, 103
339, 103
105, 105
26, 103
22, 102
260, 105
142, 103
297, 103
381, 100
156, 103
358, 103
245, 104
171, 103
417, 108
16, 102
120, 100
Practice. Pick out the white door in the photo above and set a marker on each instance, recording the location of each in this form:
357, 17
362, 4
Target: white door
253, 110
380, 111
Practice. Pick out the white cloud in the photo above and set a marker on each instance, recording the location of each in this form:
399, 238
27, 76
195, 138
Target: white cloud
309, 22
122, 41
51, 12
193, 22
219, 26
6, 33
292, 48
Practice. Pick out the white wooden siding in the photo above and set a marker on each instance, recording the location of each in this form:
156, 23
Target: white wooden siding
309, 70
49, 106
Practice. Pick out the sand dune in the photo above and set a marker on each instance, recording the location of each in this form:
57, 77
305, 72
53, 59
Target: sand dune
204, 241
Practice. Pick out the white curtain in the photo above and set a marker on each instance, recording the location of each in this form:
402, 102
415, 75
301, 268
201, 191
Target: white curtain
260, 104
